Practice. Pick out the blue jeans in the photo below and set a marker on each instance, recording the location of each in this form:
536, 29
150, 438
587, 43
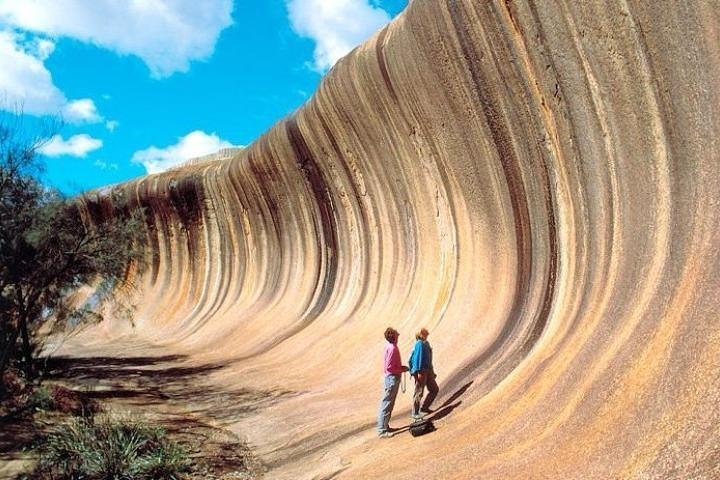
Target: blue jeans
391, 386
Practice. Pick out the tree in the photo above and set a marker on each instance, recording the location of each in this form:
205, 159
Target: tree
51, 245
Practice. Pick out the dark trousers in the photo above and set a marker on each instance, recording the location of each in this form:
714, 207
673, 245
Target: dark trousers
428, 381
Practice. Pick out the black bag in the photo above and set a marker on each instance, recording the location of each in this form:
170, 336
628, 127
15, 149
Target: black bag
421, 428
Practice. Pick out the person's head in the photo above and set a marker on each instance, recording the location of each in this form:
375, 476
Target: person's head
422, 334
391, 335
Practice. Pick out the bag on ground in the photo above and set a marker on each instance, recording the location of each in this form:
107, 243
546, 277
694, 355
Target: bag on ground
421, 428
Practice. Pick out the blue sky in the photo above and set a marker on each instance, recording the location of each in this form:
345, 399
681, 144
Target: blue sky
141, 88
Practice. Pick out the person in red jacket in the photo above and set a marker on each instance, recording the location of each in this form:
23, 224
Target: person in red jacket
393, 369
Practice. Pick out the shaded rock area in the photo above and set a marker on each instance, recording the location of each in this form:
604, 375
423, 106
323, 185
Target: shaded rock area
156, 390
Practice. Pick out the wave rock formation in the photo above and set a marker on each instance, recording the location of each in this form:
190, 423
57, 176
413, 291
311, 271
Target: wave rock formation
534, 182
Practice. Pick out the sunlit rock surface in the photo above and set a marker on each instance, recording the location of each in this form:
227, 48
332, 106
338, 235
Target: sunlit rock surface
535, 182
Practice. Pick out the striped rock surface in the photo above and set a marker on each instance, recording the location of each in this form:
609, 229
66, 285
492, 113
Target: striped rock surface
534, 182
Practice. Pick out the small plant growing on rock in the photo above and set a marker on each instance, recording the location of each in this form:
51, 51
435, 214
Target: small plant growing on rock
42, 399
110, 448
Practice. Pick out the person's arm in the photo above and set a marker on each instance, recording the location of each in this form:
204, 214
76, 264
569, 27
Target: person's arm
387, 356
416, 360
421, 361
411, 361
426, 363
395, 365
422, 357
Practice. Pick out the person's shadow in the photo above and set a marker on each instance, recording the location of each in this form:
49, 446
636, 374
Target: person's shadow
441, 412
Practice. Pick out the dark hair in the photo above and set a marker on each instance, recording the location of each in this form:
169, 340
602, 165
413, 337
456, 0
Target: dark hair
389, 333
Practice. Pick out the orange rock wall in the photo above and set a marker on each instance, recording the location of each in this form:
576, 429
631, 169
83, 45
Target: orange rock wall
534, 182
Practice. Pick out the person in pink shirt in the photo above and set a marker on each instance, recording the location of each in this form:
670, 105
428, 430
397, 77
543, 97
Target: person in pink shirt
392, 369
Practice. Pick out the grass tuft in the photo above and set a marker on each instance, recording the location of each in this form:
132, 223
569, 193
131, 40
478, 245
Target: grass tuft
41, 399
107, 447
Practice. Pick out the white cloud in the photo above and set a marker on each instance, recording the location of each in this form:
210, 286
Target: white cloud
103, 165
111, 125
42, 48
75, 146
26, 83
194, 144
24, 80
82, 110
166, 34
336, 26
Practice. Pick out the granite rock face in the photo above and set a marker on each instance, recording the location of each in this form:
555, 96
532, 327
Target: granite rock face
534, 182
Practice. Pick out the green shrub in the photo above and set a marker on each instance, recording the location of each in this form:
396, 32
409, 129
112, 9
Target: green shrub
164, 462
109, 448
41, 399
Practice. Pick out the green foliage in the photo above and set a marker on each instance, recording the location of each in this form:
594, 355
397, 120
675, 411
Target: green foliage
51, 245
111, 448
41, 399
165, 462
